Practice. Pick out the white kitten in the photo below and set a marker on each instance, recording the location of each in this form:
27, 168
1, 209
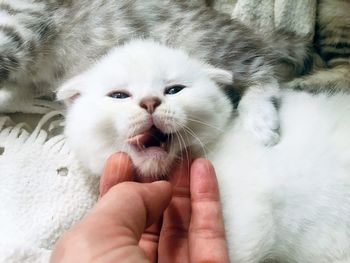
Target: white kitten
288, 203
147, 100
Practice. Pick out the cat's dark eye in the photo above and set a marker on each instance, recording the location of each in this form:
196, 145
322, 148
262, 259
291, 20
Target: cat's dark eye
174, 89
118, 95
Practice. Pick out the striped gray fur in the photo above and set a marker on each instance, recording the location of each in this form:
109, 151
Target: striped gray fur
44, 42
47, 41
332, 41
333, 36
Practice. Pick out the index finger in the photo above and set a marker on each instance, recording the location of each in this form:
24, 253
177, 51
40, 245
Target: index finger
173, 244
207, 241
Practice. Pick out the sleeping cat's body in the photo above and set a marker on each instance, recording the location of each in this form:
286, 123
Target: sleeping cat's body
332, 42
45, 42
289, 203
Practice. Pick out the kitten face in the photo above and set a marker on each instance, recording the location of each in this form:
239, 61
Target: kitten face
147, 100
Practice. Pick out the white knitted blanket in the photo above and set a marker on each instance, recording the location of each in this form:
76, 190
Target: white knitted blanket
43, 190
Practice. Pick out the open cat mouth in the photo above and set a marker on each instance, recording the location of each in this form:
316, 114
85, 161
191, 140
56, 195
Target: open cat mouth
153, 139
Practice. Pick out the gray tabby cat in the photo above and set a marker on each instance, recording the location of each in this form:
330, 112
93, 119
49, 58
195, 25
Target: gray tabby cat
43, 42
332, 41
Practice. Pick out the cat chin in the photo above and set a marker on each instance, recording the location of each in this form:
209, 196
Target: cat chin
155, 166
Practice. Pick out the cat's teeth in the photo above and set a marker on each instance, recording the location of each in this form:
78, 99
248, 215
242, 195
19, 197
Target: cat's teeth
163, 145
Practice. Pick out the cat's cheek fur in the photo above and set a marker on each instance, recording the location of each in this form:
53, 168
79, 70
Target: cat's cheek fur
92, 134
171, 117
208, 127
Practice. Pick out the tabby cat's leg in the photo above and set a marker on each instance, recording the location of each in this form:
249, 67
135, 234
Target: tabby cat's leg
328, 80
25, 27
22, 99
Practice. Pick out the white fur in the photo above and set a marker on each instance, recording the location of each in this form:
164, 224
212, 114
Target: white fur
98, 125
290, 202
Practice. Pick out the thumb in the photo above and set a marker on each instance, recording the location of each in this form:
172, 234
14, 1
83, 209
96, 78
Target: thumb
118, 168
134, 206
112, 230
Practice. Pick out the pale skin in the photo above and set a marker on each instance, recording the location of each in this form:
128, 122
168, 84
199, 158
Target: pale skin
175, 221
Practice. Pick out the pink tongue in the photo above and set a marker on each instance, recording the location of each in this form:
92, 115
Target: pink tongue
140, 139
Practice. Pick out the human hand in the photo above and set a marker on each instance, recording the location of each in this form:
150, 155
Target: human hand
192, 229
114, 231
111, 231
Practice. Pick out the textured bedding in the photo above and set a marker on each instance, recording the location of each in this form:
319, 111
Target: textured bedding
43, 188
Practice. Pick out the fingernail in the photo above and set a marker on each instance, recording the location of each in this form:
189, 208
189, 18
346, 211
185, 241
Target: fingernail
203, 176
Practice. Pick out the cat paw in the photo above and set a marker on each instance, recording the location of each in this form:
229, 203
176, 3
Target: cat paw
262, 120
305, 84
14, 100
47, 105
317, 83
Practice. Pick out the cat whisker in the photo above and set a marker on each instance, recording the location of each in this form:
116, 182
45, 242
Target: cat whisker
184, 148
193, 134
204, 123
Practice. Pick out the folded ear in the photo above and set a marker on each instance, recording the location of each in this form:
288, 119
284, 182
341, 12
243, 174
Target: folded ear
218, 75
69, 91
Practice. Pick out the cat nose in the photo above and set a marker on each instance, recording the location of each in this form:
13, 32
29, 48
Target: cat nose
150, 103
